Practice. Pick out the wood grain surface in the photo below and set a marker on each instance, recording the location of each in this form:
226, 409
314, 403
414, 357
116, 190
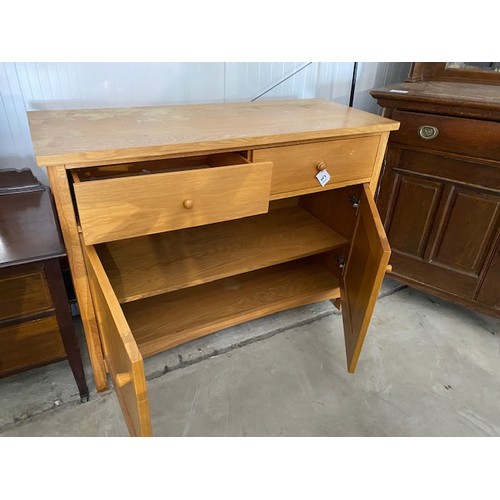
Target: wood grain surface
29, 230
30, 344
164, 321
67, 219
295, 167
147, 266
363, 274
123, 359
23, 291
471, 138
102, 136
112, 209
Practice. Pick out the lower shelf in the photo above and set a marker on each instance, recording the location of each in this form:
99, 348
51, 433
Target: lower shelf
167, 320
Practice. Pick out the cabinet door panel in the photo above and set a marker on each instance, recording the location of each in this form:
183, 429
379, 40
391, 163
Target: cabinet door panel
363, 275
414, 206
123, 359
466, 230
489, 293
440, 224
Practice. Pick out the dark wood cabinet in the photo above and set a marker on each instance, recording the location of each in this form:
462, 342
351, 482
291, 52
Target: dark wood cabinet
36, 327
439, 194
488, 293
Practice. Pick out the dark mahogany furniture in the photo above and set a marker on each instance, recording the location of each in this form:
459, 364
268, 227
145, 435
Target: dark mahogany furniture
439, 194
36, 327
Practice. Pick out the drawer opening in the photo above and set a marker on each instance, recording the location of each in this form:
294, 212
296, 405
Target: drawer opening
151, 167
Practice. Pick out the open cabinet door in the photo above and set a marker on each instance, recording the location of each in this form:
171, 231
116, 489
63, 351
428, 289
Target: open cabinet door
363, 274
123, 359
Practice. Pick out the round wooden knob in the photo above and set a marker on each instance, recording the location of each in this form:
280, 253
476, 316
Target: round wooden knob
321, 165
188, 203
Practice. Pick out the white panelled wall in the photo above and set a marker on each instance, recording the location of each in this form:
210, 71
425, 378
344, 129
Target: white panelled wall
33, 86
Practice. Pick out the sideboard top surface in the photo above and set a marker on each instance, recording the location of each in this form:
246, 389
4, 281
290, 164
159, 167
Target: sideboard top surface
113, 135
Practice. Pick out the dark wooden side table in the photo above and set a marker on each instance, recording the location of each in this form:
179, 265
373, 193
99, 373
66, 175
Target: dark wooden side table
36, 327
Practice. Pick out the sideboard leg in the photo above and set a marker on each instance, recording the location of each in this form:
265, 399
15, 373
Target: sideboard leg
67, 219
60, 300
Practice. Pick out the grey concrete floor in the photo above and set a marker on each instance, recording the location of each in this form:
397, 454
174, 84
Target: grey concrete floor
428, 368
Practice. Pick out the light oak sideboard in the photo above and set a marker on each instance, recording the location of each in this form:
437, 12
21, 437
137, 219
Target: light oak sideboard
180, 221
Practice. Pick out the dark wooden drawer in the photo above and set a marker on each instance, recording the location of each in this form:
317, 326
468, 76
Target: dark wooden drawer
29, 344
464, 136
23, 291
456, 170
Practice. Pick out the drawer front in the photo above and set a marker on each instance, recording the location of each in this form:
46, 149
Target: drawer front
23, 291
29, 344
348, 161
475, 138
113, 209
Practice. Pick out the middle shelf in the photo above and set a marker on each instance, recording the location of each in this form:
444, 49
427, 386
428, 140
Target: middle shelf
156, 264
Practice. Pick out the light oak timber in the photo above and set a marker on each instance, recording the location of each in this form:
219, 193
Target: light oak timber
157, 166
362, 277
328, 187
167, 320
150, 265
365, 257
295, 167
335, 210
379, 160
106, 136
166, 283
123, 358
112, 209
66, 214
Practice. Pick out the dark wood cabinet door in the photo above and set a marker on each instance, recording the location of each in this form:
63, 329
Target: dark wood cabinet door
414, 205
439, 223
489, 293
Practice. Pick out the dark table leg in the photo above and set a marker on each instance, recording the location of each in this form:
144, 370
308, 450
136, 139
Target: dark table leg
55, 282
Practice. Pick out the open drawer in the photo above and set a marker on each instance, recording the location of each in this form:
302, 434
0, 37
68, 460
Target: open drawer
246, 269
128, 200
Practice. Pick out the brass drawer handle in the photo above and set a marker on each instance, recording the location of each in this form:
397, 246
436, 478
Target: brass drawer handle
428, 132
188, 203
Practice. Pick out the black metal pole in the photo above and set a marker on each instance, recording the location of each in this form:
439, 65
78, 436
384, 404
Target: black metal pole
353, 84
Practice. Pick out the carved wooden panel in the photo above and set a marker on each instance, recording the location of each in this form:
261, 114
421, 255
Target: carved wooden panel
439, 222
489, 293
465, 231
415, 201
